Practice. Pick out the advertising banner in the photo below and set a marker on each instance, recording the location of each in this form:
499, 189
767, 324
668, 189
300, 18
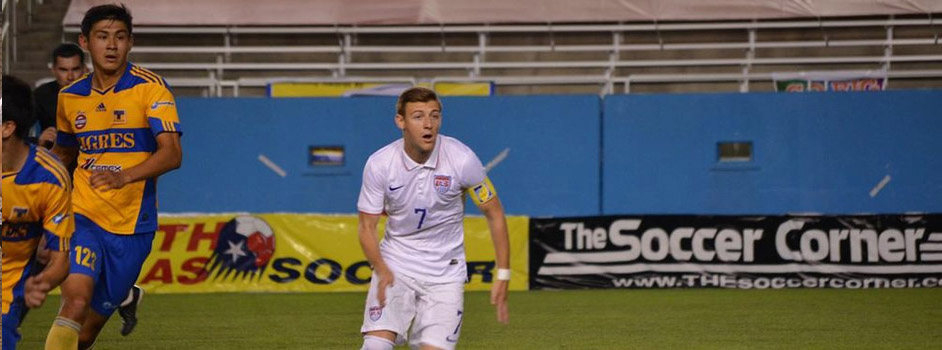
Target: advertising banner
327, 89
830, 81
747, 252
293, 253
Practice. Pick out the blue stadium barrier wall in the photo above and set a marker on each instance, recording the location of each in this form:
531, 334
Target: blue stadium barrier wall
815, 152
552, 168
822, 153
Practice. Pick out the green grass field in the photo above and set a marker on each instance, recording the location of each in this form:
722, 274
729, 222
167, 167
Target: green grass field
591, 319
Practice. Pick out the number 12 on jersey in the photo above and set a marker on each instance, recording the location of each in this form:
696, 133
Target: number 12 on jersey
421, 219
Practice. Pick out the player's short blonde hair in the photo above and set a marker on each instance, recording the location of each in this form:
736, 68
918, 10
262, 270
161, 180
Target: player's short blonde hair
416, 94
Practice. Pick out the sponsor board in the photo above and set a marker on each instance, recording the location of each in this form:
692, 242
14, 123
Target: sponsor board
340, 89
830, 81
293, 253
676, 251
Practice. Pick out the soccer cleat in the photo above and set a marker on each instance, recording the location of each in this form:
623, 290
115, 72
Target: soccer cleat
128, 310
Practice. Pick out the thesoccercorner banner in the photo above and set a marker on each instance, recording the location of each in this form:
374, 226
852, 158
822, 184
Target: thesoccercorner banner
294, 253
746, 252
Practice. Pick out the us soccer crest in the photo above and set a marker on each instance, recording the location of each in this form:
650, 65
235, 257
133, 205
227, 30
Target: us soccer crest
375, 313
442, 183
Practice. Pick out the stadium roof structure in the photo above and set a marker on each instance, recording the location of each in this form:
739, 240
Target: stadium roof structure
427, 12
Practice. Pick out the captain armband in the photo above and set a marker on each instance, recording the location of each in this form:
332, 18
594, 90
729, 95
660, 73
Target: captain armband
482, 192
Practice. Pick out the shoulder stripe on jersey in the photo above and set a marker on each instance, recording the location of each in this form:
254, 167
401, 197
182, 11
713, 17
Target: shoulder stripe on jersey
43, 164
147, 74
56, 165
50, 167
142, 76
155, 75
147, 71
144, 73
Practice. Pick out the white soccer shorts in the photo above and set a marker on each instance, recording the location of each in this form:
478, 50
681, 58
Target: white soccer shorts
436, 308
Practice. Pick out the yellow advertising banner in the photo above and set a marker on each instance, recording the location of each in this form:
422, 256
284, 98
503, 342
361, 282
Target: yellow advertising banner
301, 89
462, 89
295, 253
310, 89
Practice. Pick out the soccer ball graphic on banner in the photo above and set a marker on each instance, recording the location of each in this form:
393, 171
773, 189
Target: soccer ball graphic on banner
246, 245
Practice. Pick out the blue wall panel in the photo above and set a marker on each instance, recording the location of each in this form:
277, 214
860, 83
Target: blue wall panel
552, 167
812, 152
820, 152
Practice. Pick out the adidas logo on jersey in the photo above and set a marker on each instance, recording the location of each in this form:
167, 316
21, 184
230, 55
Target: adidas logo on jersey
101, 108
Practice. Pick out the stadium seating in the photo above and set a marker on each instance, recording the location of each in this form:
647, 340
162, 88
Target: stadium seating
244, 56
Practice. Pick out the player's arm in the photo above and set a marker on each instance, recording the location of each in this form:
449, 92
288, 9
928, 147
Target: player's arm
485, 197
370, 244
58, 224
65, 154
370, 204
497, 222
38, 286
66, 146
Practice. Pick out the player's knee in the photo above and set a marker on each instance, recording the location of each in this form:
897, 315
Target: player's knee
74, 306
376, 343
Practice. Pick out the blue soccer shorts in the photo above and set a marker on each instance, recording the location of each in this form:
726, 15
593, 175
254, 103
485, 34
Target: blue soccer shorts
113, 261
11, 323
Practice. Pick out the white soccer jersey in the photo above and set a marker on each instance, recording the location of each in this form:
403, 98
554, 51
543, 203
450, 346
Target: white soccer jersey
424, 234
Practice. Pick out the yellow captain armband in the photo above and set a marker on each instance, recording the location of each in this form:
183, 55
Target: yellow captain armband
482, 192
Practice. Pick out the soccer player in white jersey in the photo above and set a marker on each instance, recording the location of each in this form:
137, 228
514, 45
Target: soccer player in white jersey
420, 181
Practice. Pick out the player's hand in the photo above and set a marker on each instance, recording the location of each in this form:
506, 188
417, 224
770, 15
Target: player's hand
499, 299
386, 279
36, 290
48, 137
104, 180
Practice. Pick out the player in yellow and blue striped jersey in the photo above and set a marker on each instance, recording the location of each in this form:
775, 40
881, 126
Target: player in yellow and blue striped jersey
36, 189
121, 124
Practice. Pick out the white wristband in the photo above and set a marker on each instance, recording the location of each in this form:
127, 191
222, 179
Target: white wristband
503, 274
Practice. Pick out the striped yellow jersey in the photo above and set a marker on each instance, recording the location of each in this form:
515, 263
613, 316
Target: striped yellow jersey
36, 202
116, 129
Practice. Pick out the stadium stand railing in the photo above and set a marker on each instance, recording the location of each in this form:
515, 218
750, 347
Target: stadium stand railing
599, 58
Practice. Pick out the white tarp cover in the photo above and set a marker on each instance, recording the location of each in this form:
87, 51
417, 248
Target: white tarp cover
394, 12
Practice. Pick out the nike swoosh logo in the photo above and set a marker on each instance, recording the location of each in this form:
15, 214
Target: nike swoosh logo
395, 188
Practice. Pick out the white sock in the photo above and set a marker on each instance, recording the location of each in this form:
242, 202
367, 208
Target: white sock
127, 301
376, 343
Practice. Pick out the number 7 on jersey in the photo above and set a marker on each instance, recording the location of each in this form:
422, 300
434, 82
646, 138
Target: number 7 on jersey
422, 219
